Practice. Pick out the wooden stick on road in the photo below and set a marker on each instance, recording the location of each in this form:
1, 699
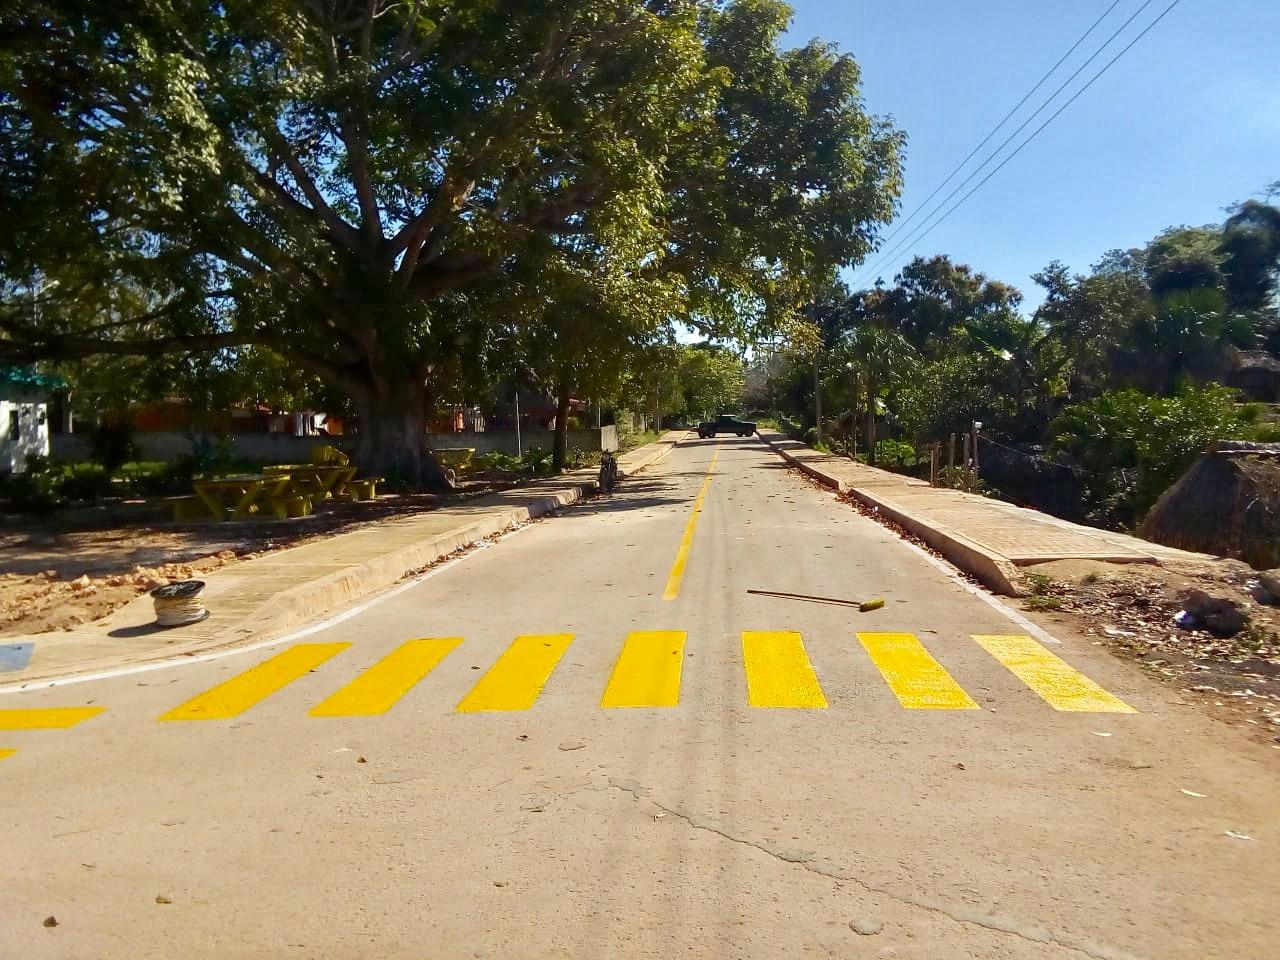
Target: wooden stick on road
863, 605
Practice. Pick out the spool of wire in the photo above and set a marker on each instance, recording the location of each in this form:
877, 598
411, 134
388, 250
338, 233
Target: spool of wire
178, 604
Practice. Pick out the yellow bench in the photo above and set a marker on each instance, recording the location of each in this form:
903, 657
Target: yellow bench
324, 455
189, 508
457, 458
365, 488
290, 506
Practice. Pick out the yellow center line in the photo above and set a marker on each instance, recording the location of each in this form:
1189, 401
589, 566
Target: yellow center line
7, 752
682, 555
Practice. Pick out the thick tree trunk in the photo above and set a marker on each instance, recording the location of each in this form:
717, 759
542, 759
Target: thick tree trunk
392, 438
560, 448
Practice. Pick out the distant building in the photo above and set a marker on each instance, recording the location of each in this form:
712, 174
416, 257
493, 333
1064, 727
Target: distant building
24, 416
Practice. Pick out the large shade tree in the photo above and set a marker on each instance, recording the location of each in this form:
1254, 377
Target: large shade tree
345, 183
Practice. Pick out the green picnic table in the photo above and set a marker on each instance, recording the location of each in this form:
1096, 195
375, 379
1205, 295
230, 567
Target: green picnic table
318, 481
239, 498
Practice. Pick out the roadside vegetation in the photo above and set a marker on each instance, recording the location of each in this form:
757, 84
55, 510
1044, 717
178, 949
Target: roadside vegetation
1110, 389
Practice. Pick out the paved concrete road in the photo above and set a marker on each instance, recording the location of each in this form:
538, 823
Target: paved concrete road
598, 762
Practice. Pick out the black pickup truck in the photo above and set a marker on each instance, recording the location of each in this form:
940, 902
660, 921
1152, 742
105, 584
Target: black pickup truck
726, 424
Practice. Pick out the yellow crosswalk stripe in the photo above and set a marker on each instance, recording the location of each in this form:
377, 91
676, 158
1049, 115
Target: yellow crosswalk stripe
235, 696
6, 752
48, 718
778, 670
916, 679
514, 682
380, 687
647, 673
1058, 683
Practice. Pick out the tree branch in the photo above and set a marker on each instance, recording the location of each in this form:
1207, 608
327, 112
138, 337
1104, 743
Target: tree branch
70, 347
280, 150
449, 274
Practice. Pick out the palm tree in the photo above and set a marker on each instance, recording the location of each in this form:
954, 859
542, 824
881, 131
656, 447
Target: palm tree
880, 359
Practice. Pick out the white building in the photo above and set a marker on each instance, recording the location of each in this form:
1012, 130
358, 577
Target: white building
24, 417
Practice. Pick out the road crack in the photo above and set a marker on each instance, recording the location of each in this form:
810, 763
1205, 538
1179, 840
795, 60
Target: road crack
954, 912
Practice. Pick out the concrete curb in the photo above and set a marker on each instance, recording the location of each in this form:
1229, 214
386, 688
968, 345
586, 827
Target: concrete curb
994, 571
313, 599
306, 601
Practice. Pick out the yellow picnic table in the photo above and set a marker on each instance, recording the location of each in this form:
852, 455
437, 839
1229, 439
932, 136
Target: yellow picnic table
237, 498
319, 481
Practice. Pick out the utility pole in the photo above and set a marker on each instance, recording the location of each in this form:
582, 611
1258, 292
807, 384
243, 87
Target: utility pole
853, 411
817, 397
519, 447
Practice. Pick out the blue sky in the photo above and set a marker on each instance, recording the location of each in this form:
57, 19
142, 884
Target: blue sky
1187, 122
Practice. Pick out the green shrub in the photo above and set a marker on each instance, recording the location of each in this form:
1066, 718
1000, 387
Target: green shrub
537, 461
156, 478
211, 456
582, 458
37, 491
624, 423
895, 453
83, 482
791, 428
111, 445
958, 478
1130, 446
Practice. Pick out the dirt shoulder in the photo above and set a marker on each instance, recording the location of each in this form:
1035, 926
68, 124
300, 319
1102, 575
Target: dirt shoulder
1130, 609
57, 580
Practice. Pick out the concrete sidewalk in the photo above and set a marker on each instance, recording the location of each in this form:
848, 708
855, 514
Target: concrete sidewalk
261, 598
988, 538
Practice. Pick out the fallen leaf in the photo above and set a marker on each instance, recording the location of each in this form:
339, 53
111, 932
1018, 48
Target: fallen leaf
1192, 793
1238, 836
160, 898
1099, 733
50, 921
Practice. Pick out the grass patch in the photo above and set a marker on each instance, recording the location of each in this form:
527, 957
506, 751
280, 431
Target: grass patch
1042, 602
1040, 584
633, 440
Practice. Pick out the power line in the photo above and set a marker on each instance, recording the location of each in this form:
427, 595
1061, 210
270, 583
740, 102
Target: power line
994, 130
915, 234
1074, 97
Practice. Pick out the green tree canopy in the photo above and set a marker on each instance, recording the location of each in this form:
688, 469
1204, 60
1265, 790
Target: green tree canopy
354, 186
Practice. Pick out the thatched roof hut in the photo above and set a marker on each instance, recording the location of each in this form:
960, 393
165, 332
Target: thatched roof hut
1227, 504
